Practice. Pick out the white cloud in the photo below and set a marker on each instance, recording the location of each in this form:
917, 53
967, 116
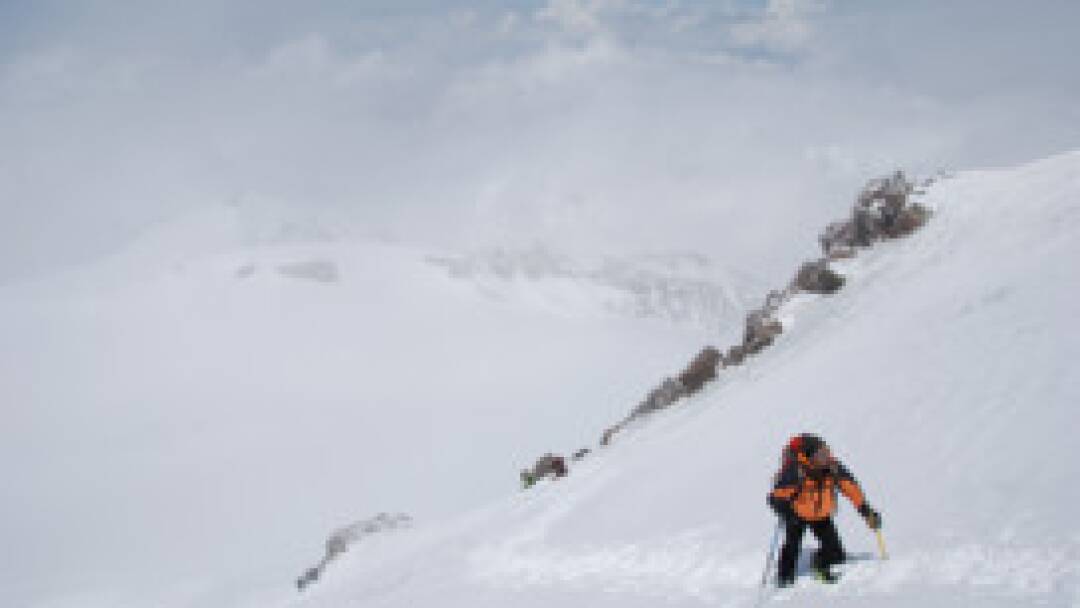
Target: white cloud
313, 60
783, 27
464, 18
507, 23
61, 73
310, 55
578, 15
681, 23
793, 9
643, 115
558, 68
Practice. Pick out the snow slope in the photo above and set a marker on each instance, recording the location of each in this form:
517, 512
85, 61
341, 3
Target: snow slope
194, 415
942, 374
184, 429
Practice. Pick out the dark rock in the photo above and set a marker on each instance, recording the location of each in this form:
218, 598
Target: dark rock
912, 218
669, 391
840, 253
702, 369
605, 438
879, 208
867, 226
817, 277
837, 235
760, 331
549, 465
341, 539
735, 355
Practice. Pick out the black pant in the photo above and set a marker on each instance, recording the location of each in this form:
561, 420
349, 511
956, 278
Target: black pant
830, 553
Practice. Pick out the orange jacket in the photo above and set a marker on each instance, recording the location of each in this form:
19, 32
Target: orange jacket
812, 493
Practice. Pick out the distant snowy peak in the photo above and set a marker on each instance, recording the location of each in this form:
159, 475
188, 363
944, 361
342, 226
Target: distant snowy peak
244, 223
678, 287
251, 240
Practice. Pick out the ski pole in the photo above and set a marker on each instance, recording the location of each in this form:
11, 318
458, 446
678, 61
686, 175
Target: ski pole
769, 557
881, 544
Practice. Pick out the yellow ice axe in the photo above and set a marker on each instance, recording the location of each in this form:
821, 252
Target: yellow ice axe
881, 544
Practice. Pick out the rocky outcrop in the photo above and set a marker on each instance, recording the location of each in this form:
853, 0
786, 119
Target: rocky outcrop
703, 368
320, 271
760, 330
911, 219
817, 277
548, 466
342, 539
669, 391
881, 211
609, 434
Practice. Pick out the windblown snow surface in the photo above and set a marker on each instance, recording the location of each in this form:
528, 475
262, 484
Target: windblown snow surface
943, 375
146, 468
188, 420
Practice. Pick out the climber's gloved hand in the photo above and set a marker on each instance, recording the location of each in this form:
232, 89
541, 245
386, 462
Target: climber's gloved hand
872, 517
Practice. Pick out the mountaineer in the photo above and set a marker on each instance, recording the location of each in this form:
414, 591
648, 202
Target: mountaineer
804, 495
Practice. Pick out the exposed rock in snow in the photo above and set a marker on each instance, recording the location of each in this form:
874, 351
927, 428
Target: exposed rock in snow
342, 539
817, 277
321, 271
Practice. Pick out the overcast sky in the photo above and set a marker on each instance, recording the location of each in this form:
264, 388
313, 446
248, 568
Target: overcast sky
604, 124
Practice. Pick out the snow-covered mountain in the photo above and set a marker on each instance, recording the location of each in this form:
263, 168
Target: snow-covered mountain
216, 397
681, 287
942, 376
190, 438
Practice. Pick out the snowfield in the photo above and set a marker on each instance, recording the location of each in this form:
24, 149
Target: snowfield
197, 413
942, 376
201, 432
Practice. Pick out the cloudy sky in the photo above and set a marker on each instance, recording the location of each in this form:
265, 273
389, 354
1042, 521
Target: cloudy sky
583, 124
